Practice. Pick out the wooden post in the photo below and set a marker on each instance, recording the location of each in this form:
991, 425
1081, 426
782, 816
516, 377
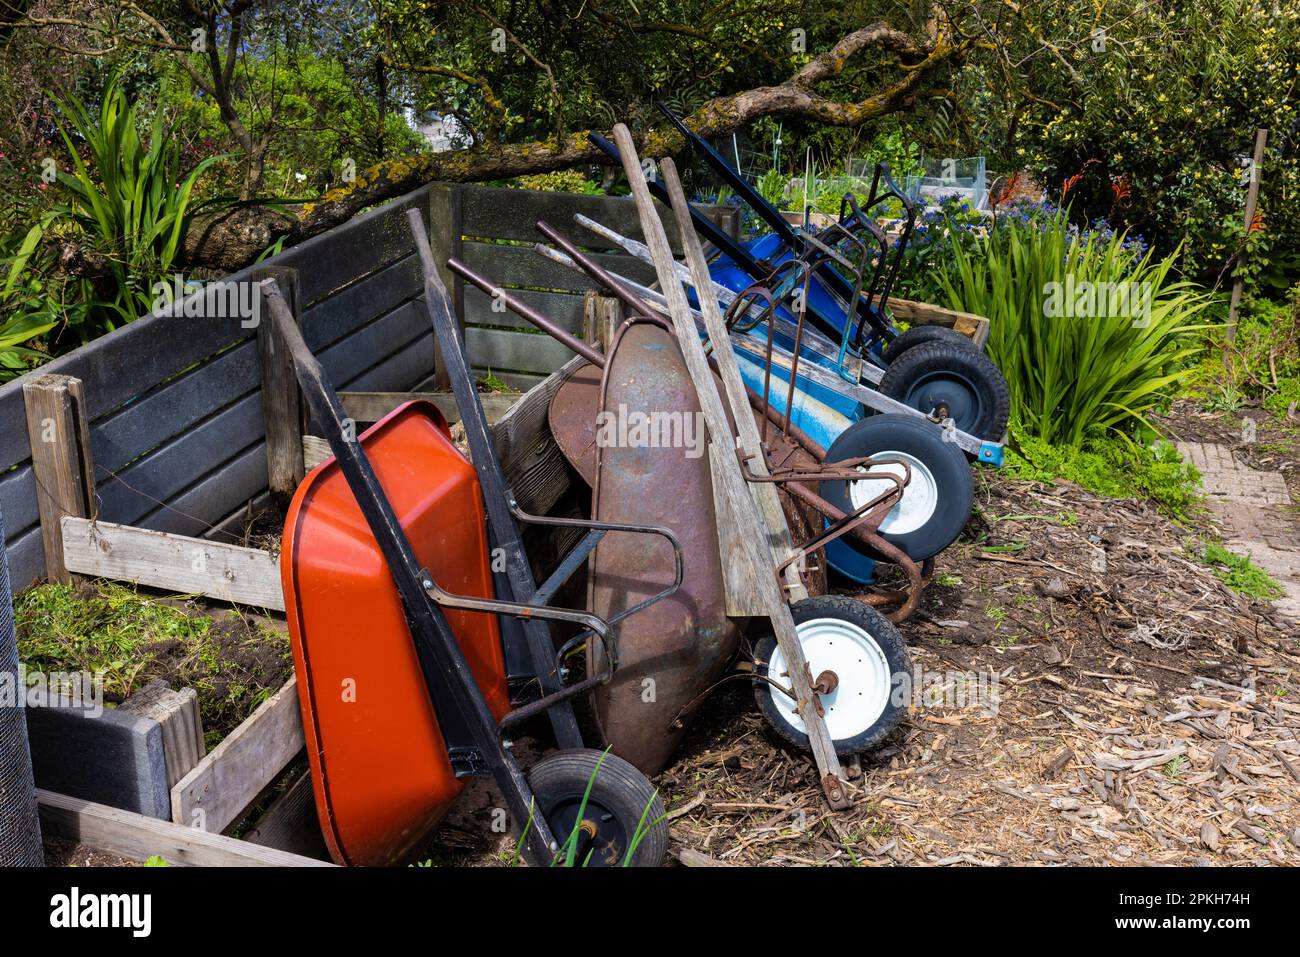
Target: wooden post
282, 405
58, 429
446, 224
1252, 197
601, 317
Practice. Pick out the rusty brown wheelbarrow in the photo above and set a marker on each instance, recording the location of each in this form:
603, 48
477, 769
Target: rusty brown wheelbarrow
630, 424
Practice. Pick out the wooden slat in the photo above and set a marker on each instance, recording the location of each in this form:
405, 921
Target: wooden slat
562, 308
177, 471
135, 357
373, 406
513, 266
445, 224
137, 838
348, 358
764, 493
366, 243
130, 494
18, 500
171, 472
170, 410
177, 563
226, 782
315, 450
516, 351
177, 712
14, 448
122, 364
342, 314
407, 366
26, 556
602, 316
492, 212
218, 493
535, 468
926, 314
290, 823
753, 532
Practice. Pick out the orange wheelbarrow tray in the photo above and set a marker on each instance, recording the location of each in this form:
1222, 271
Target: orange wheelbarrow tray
398, 646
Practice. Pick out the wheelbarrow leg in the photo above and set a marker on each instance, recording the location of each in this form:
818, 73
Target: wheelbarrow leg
496, 495
751, 543
473, 738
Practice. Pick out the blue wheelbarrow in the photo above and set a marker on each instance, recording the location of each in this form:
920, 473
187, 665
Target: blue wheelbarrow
862, 387
850, 329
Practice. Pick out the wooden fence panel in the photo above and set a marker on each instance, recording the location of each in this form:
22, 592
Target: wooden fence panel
176, 430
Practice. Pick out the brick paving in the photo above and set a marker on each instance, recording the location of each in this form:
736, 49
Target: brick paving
1246, 502
1225, 477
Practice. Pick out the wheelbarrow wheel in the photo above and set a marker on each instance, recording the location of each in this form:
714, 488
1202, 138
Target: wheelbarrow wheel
868, 659
936, 503
919, 334
938, 375
622, 822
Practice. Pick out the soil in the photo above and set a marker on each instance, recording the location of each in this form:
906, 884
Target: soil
245, 659
61, 853
1145, 715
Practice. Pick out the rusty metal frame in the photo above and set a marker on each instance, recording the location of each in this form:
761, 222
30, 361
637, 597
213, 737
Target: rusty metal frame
864, 523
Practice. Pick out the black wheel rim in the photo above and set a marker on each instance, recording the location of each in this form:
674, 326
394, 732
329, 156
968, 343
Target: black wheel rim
950, 390
602, 838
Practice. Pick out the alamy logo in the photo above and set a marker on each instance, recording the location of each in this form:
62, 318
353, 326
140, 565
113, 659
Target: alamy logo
74, 909
1098, 300
220, 299
633, 429
81, 691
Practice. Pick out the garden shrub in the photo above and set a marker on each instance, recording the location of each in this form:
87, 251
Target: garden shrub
1089, 328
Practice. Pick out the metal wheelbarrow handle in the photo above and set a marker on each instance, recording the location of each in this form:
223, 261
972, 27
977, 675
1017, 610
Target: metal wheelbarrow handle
461, 709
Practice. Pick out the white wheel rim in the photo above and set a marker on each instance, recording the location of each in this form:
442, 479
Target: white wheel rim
920, 496
865, 679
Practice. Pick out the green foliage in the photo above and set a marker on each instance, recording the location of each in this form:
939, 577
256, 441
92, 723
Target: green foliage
585, 66
61, 629
1077, 367
929, 252
560, 181
1286, 399
156, 860
490, 382
1240, 574
1259, 367
318, 117
1155, 114
772, 186
27, 311
1118, 468
129, 199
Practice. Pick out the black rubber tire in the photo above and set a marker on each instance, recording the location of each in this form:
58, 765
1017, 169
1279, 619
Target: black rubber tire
977, 395
620, 796
919, 334
887, 639
924, 441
